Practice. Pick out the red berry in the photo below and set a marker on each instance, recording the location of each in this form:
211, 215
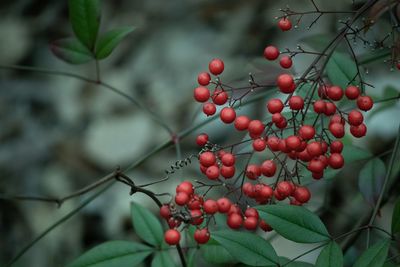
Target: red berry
265, 192
209, 109
251, 212
316, 165
277, 118
227, 171
293, 142
165, 212
330, 109
271, 52
268, 168
250, 223
335, 93
319, 106
224, 205
256, 127
278, 196
219, 97
284, 188
207, 159
273, 143
216, 66
285, 83
337, 129
212, 172
265, 227
202, 139
304, 156
227, 115
306, 132
275, 105
202, 236
358, 131
201, 94
234, 221
186, 187
234, 209
355, 118
210, 206
248, 189
314, 149
197, 217
195, 203
323, 91
286, 62
259, 144
181, 198
337, 118
253, 171
352, 92
228, 159
317, 175
204, 78
242, 123
281, 124
284, 24
365, 103
336, 146
296, 102
302, 194
336, 161
282, 146
173, 223
172, 237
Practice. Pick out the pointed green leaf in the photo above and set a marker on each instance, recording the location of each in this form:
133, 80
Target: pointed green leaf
192, 258
330, 256
372, 56
215, 253
108, 41
71, 50
396, 218
85, 19
370, 179
113, 254
341, 69
146, 225
295, 223
294, 263
375, 256
162, 258
353, 153
247, 248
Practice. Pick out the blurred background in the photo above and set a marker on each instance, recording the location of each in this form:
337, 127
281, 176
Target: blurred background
59, 134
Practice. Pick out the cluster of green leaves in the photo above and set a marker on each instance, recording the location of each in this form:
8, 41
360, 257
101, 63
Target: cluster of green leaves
88, 44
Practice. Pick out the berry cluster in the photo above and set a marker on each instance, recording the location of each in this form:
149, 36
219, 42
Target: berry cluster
302, 133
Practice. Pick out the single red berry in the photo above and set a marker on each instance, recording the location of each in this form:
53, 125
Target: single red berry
302, 194
307, 132
293, 142
250, 223
296, 102
273, 143
265, 227
315, 165
253, 171
336, 161
330, 109
224, 205
234, 221
234, 209
323, 91
278, 196
204, 78
265, 192
251, 212
355, 118
181, 198
259, 144
210, 206
201, 94
275, 105
207, 159
173, 223
165, 212
319, 106
209, 109
256, 127
219, 97
285, 24
358, 131
365, 103
227, 115
248, 189
314, 149
212, 172
284, 189
304, 156
202, 139
286, 62
335, 93
337, 129
282, 123
277, 118
282, 146
271, 52
268, 168
242, 123
202, 236
172, 237
196, 216
195, 203
352, 92
227, 171
216, 66
285, 83
317, 175
228, 159
186, 187
336, 146
338, 119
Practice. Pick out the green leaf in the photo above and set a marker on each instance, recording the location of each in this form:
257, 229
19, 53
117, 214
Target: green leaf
71, 50
353, 153
294, 263
375, 256
85, 19
396, 218
216, 254
295, 223
330, 256
109, 40
162, 258
341, 69
191, 262
370, 57
247, 248
317, 42
146, 225
370, 179
113, 254
388, 92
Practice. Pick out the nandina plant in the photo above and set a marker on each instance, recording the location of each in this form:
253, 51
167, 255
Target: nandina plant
261, 186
